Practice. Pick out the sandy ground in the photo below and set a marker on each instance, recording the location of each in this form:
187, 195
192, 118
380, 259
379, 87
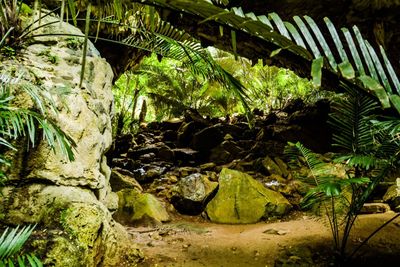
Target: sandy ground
301, 241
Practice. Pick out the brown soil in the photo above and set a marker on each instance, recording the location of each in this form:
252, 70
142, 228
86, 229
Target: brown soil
303, 240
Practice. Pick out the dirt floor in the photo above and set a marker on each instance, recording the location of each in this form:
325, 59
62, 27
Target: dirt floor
303, 240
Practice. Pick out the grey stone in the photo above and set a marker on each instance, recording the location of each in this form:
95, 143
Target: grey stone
190, 194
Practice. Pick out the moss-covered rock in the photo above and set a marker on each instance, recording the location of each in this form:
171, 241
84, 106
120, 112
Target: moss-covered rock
69, 200
271, 167
75, 228
392, 196
140, 208
241, 199
119, 180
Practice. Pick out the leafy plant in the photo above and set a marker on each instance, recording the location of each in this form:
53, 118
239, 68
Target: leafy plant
126, 91
9, 20
370, 149
16, 122
49, 56
268, 87
365, 72
11, 243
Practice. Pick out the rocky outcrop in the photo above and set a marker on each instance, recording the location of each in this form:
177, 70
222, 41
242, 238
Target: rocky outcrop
71, 201
241, 199
75, 228
162, 155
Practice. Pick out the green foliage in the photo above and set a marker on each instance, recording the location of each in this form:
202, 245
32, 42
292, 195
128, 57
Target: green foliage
8, 51
49, 56
351, 121
370, 148
127, 90
16, 122
9, 21
171, 87
261, 27
74, 43
11, 242
268, 87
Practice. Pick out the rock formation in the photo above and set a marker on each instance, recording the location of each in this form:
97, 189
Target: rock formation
71, 202
241, 199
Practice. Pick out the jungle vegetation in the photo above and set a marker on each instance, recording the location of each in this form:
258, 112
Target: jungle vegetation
215, 83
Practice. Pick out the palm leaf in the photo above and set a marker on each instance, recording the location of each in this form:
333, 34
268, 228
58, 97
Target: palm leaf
260, 27
350, 121
11, 242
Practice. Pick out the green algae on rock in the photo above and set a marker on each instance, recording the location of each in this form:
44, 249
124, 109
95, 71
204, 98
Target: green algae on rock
241, 199
138, 208
71, 201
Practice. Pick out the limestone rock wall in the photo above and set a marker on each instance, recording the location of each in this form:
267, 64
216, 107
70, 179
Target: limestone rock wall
71, 201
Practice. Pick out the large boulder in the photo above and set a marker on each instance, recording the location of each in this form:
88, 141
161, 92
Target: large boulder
71, 201
120, 180
392, 196
190, 194
241, 199
208, 138
76, 229
139, 208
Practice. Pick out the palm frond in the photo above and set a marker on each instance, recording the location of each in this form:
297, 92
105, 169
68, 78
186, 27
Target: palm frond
350, 120
364, 58
16, 122
11, 242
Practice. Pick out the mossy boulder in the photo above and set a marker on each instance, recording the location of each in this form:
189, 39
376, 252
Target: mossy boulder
140, 208
75, 228
392, 196
242, 199
120, 180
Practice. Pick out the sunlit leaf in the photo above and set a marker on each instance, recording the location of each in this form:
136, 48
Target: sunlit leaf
346, 69
316, 70
377, 88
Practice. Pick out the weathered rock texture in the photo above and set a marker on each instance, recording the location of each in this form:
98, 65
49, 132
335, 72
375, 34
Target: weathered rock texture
241, 199
72, 200
191, 193
136, 208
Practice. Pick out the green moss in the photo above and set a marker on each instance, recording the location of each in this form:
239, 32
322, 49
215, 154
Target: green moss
60, 247
49, 56
74, 43
241, 199
83, 222
134, 206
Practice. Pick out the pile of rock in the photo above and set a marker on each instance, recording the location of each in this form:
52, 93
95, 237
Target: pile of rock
191, 161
